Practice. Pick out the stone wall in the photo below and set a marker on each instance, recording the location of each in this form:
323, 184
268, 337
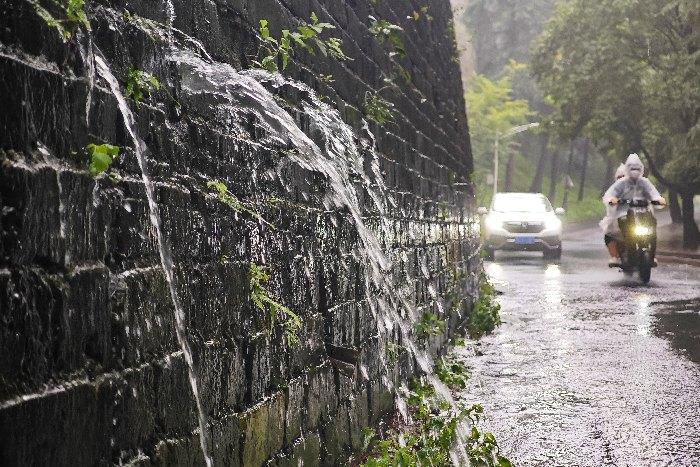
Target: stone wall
90, 368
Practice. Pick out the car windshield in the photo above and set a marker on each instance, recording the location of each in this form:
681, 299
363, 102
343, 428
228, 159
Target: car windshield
521, 203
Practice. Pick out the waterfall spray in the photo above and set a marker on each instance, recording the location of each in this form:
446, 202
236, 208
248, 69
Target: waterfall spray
166, 259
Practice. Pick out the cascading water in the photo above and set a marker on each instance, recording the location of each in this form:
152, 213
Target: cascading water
163, 249
339, 161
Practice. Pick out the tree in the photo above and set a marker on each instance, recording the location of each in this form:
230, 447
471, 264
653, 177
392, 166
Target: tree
492, 112
624, 73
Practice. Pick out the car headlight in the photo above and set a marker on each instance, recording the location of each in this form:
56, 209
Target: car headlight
642, 230
552, 224
493, 224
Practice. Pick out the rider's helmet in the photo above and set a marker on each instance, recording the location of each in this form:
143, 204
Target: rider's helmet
634, 169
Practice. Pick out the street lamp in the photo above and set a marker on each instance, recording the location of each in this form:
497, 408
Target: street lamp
513, 131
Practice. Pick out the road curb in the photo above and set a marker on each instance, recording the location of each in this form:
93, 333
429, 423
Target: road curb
679, 257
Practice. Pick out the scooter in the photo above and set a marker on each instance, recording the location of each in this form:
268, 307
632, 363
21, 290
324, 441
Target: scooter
638, 245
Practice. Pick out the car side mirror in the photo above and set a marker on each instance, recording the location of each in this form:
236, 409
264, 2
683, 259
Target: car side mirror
482, 211
560, 211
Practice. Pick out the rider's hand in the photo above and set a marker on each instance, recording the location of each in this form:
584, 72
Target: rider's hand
613, 201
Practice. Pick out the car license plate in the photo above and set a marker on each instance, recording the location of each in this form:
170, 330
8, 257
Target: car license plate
524, 240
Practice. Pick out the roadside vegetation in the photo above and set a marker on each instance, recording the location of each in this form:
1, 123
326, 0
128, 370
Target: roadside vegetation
431, 434
432, 430
485, 315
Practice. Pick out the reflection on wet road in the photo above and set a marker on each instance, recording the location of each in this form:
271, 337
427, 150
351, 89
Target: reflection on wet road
591, 368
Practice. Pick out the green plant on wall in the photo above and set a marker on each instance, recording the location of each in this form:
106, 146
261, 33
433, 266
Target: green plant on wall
71, 16
101, 157
486, 313
388, 33
291, 322
306, 37
453, 373
428, 439
232, 201
139, 83
429, 325
377, 109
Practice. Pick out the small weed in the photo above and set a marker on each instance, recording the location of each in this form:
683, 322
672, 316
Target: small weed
453, 374
139, 83
101, 157
485, 315
483, 450
404, 74
421, 13
368, 435
429, 438
377, 109
229, 199
429, 325
393, 350
73, 16
273, 51
386, 32
291, 322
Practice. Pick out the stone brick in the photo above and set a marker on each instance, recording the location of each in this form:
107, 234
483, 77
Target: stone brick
92, 372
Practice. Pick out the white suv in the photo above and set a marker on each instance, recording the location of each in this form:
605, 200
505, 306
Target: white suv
522, 222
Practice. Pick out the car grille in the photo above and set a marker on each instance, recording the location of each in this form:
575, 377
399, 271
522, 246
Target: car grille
524, 227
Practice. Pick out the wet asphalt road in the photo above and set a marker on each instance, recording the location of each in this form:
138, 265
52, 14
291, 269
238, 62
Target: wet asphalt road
591, 368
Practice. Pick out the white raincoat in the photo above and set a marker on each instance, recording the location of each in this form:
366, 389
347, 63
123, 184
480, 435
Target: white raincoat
608, 223
634, 186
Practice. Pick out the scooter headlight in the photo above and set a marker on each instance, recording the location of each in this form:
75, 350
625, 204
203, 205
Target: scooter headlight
642, 230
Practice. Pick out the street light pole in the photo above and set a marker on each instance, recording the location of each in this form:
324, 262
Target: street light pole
513, 131
495, 166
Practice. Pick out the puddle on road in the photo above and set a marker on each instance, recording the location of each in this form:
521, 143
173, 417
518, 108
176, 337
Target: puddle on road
590, 367
679, 323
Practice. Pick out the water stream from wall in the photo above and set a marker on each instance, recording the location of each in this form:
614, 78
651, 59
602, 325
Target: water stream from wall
163, 249
332, 149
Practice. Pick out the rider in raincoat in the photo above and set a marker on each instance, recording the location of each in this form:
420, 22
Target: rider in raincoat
634, 186
609, 222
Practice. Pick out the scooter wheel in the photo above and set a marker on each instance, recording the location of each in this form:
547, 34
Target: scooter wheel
645, 273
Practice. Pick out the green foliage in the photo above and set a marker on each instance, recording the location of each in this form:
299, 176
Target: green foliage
492, 112
483, 450
306, 37
485, 315
422, 12
229, 199
427, 441
101, 157
377, 109
291, 322
368, 435
429, 325
72, 16
139, 83
454, 374
388, 33
393, 350
624, 73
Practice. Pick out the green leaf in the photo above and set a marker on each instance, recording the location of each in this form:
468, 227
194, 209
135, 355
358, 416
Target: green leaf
503, 462
101, 157
264, 30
